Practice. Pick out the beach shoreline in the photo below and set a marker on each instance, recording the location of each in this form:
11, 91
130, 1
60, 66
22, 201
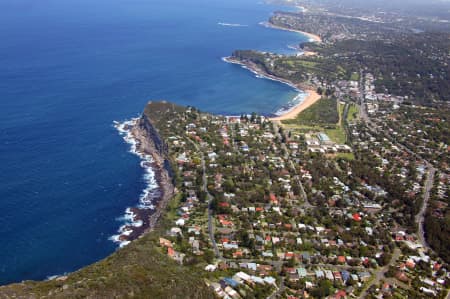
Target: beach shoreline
311, 95
313, 37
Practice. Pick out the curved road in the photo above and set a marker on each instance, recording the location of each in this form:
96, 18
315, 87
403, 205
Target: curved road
420, 217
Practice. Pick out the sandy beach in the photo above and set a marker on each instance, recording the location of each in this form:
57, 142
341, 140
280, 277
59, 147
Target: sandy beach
310, 99
311, 36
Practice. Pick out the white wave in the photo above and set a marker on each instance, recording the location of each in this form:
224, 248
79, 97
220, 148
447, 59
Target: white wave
137, 223
125, 230
124, 243
129, 214
150, 193
299, 98
262, 76
231, 24
53, 277
115, 238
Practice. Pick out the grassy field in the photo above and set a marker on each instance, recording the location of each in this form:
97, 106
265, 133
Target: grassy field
172, 208
324, 116
337, 135
324, 112
341, 108
347, 156
354, 77
353, 112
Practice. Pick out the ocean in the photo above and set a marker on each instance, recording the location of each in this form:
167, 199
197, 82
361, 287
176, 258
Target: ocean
69, 69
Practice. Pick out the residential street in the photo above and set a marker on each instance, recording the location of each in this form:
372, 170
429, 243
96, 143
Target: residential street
381, 272
420, 217
211, 227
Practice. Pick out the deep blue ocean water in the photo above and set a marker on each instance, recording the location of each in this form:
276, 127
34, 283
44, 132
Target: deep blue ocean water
68, 69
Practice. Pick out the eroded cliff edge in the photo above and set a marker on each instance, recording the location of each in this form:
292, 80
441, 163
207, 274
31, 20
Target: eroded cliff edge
149, 142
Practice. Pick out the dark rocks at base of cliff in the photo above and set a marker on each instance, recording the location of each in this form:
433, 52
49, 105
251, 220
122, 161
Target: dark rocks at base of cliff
148, 142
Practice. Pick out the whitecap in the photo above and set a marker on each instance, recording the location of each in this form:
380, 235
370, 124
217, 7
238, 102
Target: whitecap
150, 193
300, 97
231, 24
137, 223
124, 243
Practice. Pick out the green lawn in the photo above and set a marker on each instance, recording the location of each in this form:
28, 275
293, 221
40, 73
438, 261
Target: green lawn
337, 135
324, 116
307, 64
322, 113
353, 112
354, 77
172, 207
341, 108
347, 156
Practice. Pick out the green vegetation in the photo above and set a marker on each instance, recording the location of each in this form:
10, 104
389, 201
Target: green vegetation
324, 116
438, 234
297, 69
352, 113
323, 113
354, 76
402, 67
345, 156
337, 134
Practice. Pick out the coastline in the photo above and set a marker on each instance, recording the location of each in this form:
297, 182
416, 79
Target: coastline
312, 37
159, 188
311, 95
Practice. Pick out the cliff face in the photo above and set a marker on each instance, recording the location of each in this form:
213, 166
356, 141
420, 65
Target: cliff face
149, 142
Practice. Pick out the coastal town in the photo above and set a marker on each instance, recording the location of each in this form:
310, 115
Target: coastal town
270, 217
346, 197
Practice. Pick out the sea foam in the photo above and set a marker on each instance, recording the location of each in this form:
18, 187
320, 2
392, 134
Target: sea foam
150, 193
231, 24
